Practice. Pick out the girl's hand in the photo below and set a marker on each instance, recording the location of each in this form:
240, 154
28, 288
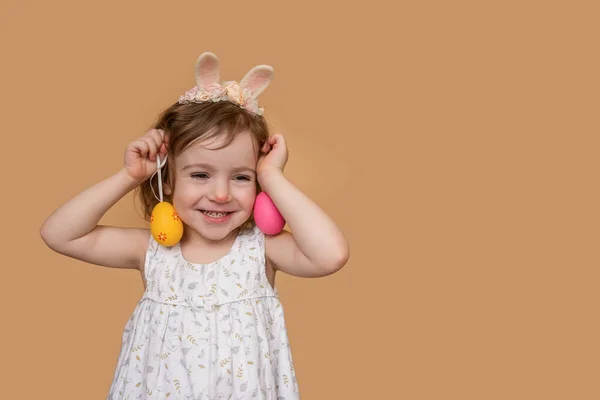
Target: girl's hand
140, 155
274, 156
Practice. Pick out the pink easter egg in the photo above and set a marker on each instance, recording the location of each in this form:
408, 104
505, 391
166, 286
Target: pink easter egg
267, 216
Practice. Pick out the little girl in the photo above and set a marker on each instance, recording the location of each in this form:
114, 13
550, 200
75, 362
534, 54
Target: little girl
209, 324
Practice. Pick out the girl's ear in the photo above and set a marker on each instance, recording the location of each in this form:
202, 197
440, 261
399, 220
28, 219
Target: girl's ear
257, 79
167, 189
167, 184
207, 70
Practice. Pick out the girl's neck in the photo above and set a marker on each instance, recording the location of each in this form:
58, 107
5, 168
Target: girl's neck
197, 249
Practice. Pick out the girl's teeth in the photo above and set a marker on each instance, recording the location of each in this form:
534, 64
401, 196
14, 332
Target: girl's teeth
215, 214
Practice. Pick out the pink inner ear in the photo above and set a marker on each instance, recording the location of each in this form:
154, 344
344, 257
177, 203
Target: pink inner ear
207, 71
257, 79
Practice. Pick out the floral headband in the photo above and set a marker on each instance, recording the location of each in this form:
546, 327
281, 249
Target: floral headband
244, 94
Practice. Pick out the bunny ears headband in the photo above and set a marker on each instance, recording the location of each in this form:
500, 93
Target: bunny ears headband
244, 94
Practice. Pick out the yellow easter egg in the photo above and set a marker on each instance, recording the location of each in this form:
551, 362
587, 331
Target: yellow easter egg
165, 225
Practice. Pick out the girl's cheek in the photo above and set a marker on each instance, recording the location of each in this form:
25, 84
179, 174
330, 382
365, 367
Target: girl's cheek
247, 195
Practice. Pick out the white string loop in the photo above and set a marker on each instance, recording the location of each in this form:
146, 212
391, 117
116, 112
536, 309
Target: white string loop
159, 166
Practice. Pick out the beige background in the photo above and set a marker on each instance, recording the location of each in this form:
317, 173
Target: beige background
455, 143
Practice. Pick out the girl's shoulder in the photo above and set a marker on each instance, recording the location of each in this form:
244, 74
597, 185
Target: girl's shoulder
142, 239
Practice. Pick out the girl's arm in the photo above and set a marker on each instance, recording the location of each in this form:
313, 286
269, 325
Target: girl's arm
317, 247
73, 228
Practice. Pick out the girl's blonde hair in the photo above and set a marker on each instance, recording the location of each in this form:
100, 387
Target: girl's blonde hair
184, 124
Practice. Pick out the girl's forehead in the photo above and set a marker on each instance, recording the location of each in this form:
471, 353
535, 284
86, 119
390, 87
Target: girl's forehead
241, 150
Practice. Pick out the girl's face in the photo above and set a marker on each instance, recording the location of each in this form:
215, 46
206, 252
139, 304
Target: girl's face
215, 188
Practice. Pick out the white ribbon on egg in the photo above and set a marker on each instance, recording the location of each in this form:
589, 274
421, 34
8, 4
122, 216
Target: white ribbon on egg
159, 166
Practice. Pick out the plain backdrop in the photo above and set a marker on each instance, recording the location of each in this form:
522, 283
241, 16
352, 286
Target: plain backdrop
455, 143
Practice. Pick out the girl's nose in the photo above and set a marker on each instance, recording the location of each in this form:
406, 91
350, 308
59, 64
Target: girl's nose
221, 194
222, 197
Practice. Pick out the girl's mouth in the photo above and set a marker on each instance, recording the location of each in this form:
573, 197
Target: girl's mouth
215, 214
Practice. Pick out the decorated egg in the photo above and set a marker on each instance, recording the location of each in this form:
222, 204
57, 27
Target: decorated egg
267, 216
165, 225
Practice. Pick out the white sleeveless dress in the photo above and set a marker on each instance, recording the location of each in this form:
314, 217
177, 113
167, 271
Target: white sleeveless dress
206, 331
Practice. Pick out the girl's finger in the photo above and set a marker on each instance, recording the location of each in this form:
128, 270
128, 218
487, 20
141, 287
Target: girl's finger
141, 147
157, 136
265, 146
153, 132
152, 148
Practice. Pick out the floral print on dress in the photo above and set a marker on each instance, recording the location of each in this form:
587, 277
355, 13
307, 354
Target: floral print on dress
206, 331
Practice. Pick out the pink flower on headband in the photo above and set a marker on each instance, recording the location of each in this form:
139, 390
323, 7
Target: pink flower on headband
189, 96
216, 91
202, 96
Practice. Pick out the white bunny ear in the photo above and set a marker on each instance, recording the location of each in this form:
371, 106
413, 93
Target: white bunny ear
257, 79
207, 70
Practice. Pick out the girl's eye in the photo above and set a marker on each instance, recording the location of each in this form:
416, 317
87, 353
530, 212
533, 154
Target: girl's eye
242, 178
199, 176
